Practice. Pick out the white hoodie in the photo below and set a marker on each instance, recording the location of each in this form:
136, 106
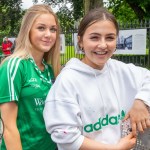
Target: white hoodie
89, 102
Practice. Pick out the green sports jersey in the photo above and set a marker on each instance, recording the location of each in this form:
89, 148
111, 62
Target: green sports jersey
21, 81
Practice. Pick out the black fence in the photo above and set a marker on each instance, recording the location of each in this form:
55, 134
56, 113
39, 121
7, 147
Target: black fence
140, 60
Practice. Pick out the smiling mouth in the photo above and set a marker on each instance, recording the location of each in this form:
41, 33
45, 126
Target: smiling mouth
101, 53
46, 42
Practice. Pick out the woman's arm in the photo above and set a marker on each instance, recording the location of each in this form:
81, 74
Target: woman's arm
125, 143
63, 125
139, 116
11, 134
138, 113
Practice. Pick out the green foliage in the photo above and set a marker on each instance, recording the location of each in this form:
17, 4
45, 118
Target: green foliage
77, 6
124, 10
10, 16
141, 8
129, 10
67, 16
121, 10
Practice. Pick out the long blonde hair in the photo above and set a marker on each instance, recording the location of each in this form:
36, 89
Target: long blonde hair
23, 44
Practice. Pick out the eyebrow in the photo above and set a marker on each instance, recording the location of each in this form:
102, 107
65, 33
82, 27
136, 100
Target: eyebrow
110, 34
45, 24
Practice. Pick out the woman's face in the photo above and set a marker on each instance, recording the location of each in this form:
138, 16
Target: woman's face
43, 33
98, 43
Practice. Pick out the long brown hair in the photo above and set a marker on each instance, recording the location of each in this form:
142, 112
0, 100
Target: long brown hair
93, 16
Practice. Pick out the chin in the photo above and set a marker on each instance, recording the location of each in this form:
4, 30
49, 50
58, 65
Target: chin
46, 49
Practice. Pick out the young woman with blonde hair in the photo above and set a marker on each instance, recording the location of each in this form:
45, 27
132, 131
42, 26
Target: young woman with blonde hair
26, 77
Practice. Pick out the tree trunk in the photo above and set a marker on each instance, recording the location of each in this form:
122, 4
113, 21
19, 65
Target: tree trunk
90, 4
137, 9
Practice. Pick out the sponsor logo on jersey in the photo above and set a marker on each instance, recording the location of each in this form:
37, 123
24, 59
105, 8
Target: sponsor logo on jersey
39, 101
35, 85
33, 80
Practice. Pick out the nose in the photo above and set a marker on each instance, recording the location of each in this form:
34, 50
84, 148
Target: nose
48, 33
102, 44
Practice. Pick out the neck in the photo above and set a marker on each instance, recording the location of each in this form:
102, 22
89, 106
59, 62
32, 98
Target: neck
38, 61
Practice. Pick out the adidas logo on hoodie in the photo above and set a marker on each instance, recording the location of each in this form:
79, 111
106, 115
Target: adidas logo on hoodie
107, 120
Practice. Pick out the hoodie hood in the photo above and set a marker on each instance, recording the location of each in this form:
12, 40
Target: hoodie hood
78, 65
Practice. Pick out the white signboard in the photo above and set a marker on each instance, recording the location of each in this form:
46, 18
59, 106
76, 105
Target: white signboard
62, 43
131, 42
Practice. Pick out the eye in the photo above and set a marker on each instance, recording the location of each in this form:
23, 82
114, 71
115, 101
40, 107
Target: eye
94, 38
110, 38
41, 28
53, 30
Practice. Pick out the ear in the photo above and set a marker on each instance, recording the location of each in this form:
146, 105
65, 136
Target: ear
80, 42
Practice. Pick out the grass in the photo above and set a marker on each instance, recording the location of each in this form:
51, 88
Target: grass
68, 54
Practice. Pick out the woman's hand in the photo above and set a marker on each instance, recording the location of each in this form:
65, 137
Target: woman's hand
126, 143
139, 117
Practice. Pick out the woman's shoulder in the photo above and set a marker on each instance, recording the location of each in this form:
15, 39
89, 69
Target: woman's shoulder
117, 65
14, 62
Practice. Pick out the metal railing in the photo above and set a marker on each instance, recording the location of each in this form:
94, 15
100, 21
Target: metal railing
140, 60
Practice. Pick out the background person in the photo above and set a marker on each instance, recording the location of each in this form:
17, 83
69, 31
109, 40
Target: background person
92, 96
26, 78
13, 46
6, 46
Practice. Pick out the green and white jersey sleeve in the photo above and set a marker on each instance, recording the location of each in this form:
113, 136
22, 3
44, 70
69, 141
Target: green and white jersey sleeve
22, 82
11, 79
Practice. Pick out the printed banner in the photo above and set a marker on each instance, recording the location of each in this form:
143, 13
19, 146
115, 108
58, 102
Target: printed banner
131, 42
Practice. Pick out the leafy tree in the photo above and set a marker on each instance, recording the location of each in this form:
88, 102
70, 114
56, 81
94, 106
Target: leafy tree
127, 10
90, 4
70, 16
67, 16
124, 10
10, 15
141, 8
